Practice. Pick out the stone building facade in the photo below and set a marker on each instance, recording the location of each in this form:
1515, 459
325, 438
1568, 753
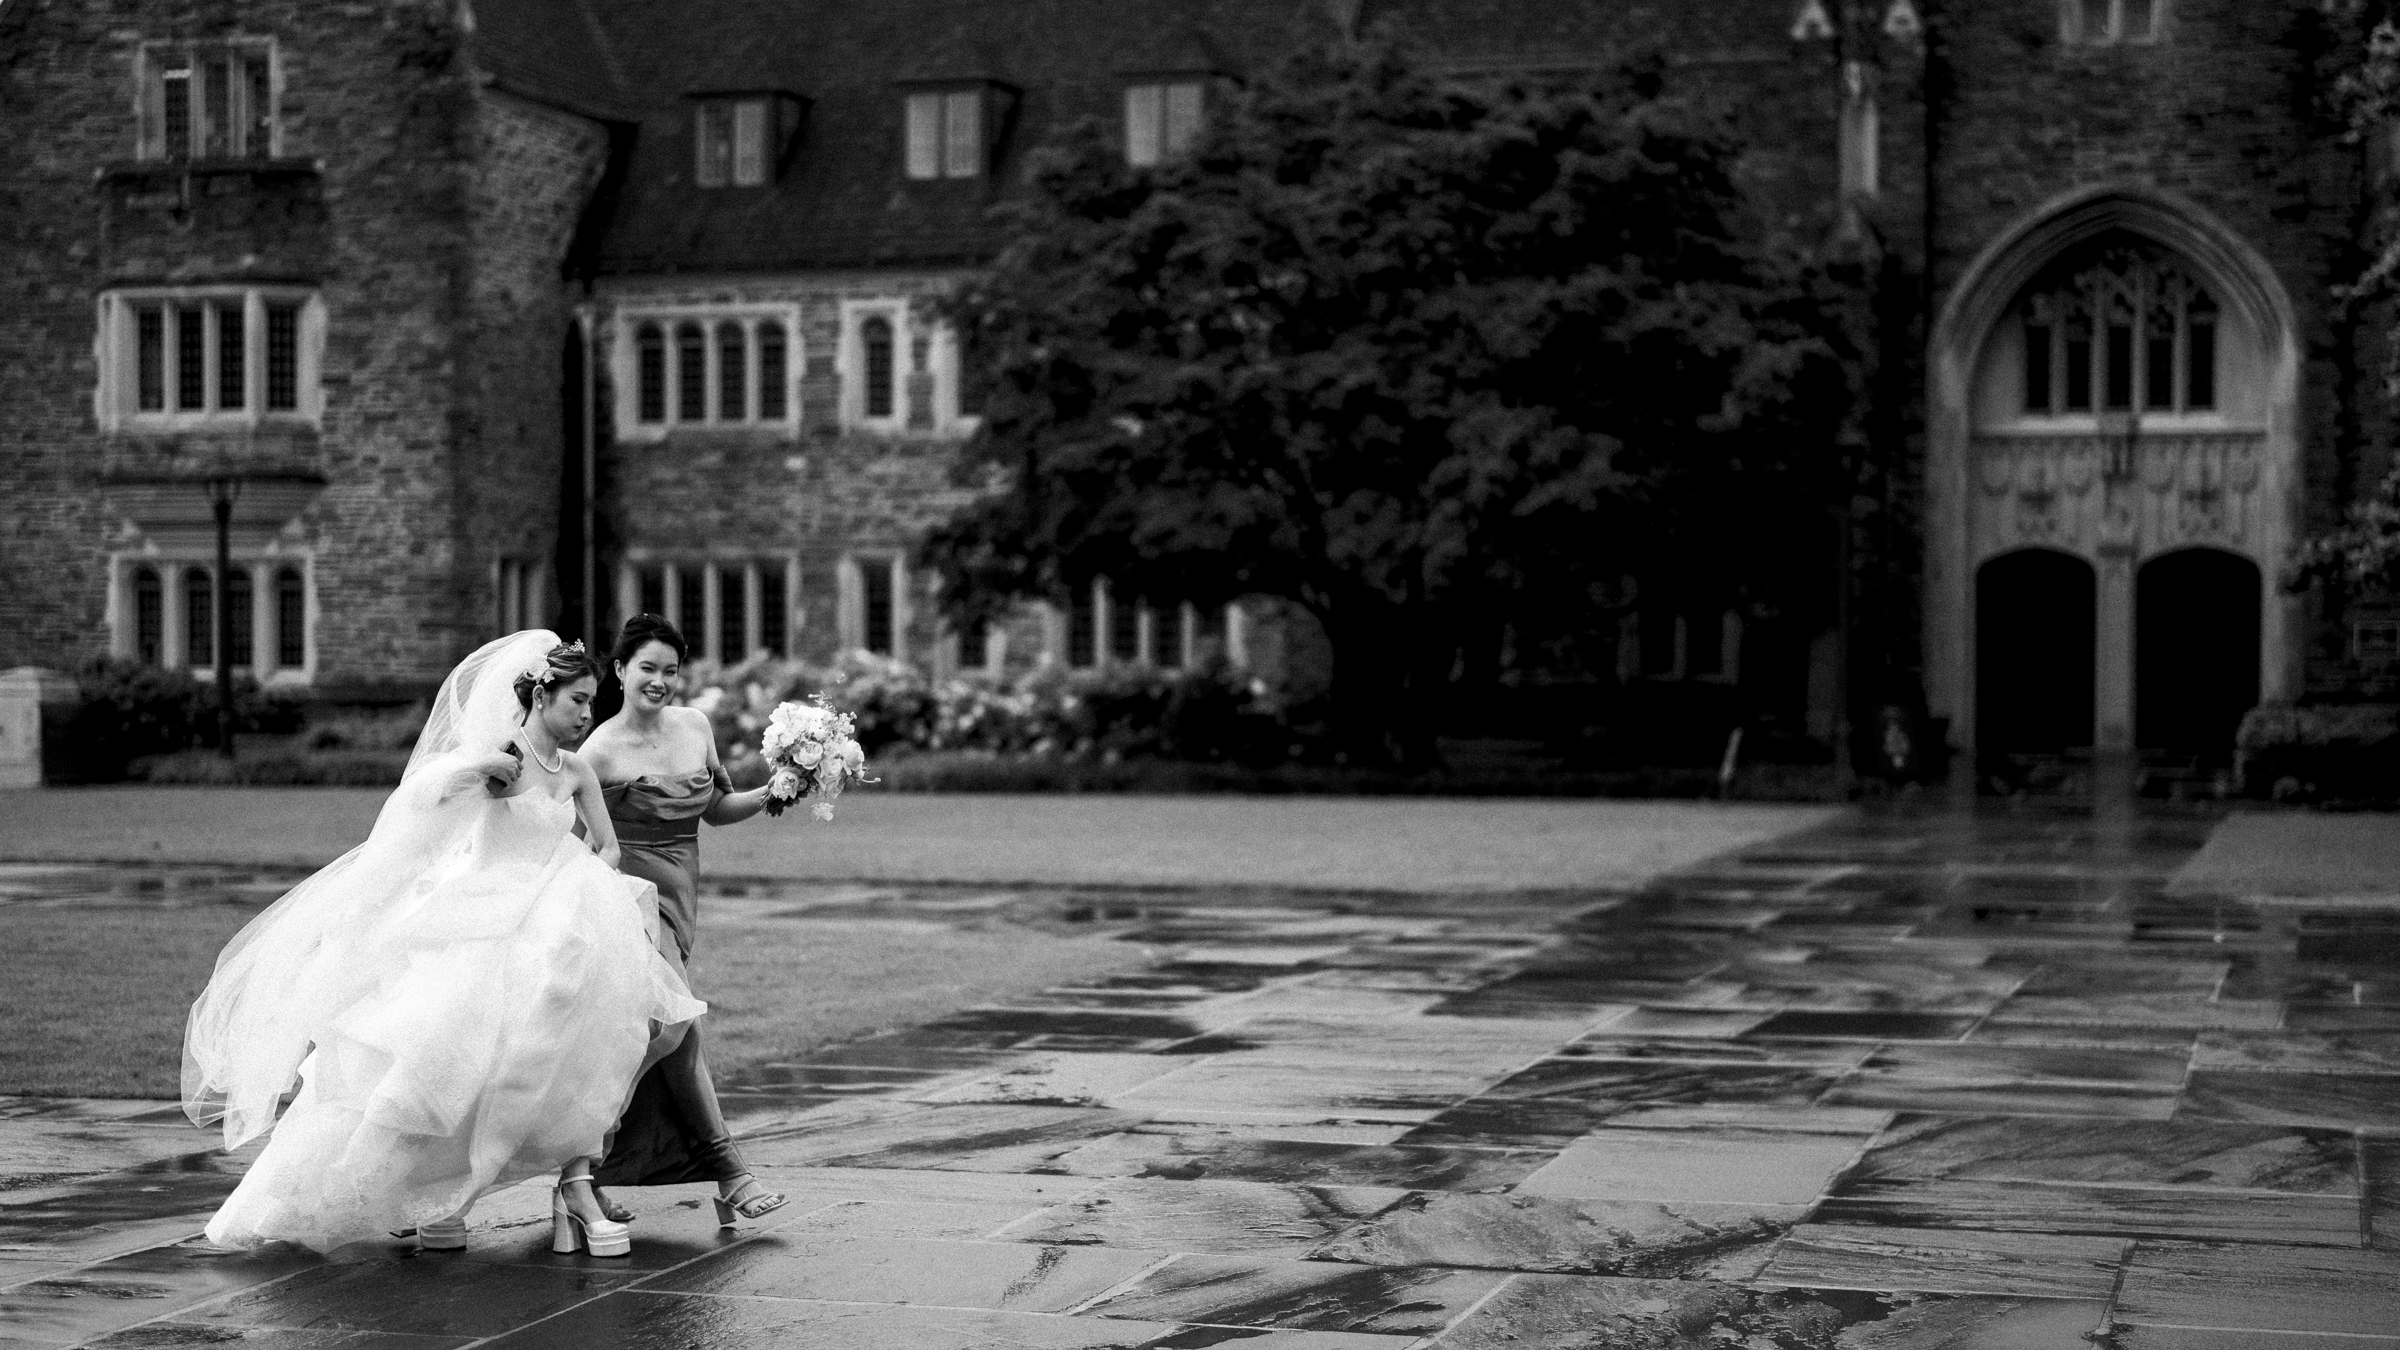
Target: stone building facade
541, 311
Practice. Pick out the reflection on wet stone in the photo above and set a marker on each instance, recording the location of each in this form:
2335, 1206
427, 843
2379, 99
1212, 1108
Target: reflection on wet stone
2332, 1101
1245, 1291
1568, 1312
1535, 1233
2137, 1211
1181, 1157
1640, 1122
2043, 1265
1615, 1081
436, 1298
2178, 1153
1205, 1216
859, 1269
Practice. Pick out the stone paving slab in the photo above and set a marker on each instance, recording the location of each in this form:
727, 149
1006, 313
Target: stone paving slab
2311, 855
1909, 1079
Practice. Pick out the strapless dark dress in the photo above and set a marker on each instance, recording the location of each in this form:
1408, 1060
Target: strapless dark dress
673, 1131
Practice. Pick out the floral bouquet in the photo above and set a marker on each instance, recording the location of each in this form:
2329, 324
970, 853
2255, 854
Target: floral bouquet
814, 753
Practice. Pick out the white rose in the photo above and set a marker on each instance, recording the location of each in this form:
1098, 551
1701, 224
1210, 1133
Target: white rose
784, 786
808, 754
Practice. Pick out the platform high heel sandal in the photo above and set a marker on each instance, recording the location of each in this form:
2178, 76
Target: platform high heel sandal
571, 1232
749, 1200
443, 1235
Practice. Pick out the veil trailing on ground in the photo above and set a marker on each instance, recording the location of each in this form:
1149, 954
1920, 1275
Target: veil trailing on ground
296, 965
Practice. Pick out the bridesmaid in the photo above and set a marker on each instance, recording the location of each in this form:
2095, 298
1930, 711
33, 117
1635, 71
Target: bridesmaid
660, 776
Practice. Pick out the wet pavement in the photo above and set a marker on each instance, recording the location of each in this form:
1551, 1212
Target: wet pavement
1917, 1078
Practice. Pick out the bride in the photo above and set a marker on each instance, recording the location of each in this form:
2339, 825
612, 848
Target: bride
465, 1000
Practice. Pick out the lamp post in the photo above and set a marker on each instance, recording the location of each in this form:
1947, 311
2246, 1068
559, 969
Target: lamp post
223, 491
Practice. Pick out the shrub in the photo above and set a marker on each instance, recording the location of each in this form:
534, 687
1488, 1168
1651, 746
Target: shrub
2320, 752
379, 729
1200, 715
130, 710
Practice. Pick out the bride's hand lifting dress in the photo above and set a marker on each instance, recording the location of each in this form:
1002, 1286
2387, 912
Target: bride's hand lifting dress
464, 1000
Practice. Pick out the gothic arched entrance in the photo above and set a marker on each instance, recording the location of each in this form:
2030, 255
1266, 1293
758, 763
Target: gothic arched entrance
2033, 646
2195, 650
2113, 385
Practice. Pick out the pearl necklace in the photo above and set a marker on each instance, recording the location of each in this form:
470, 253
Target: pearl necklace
551, 765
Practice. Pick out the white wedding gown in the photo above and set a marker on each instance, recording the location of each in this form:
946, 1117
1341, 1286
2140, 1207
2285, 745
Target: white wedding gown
465, 1001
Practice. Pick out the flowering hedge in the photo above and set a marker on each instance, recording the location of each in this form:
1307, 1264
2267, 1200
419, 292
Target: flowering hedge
1213, 713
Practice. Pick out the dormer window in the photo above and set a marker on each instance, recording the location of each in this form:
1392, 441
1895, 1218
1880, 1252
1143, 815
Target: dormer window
946, 134
1161, 120
2101, 23
737, 139
207, 101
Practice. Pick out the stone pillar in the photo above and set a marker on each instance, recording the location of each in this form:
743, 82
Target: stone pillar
712, 617
263, 620
2112, 654
26, 693
795, 614
173, 642
753, 609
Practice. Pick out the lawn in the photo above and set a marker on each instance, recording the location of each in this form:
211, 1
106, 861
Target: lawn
96, 995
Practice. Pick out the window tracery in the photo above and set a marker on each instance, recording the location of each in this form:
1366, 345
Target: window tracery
2124, 331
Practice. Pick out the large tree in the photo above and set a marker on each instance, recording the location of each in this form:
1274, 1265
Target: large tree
1423, 355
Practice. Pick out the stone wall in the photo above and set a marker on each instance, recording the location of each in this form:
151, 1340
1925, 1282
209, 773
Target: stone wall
532, 171
811, 489
2222, 110
431, 219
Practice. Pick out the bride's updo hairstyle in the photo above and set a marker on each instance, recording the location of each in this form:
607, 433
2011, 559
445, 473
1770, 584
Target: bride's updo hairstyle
566, 663
643, 629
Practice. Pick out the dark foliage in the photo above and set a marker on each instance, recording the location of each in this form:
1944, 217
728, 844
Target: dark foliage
130, 710
1453, 365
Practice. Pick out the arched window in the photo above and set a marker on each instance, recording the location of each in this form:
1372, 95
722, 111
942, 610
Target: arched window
149, 617
875, 335
733, 403
733, 613
691, 373
199, 618
239, 610
291, 619
1124, 627
650, 345
2107, 331
773, 374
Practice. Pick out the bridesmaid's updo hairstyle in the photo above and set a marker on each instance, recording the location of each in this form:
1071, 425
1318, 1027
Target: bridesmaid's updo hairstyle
566, 663
643, 629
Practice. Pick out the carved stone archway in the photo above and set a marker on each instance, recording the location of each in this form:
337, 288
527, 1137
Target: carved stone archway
2112, 486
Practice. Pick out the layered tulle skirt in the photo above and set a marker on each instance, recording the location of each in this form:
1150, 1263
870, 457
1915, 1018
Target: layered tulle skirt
479, 1022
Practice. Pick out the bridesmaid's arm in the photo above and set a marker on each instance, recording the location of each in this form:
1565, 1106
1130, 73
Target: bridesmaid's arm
730, 808
598, 830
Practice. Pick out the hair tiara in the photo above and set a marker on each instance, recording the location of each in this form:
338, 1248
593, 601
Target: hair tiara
547, 673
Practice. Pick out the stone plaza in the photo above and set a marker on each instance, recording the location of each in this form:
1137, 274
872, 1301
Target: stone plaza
2009, 1076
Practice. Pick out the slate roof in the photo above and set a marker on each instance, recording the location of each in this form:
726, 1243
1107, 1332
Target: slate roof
842, 200
552, 52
